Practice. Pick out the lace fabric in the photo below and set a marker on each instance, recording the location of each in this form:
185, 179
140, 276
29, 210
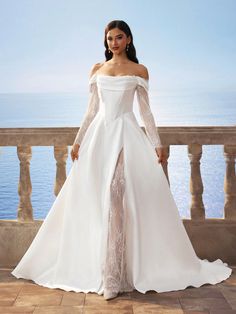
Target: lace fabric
92, 109
114, 270
147, 116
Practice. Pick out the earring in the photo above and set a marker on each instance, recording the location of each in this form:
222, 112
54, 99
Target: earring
127, 47
109, 51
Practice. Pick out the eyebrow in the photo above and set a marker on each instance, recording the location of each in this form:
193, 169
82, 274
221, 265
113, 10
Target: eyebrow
116, 35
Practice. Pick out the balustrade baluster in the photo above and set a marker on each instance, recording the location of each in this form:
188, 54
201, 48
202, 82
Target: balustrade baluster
25, 210
60, 154
230, 183
197, 209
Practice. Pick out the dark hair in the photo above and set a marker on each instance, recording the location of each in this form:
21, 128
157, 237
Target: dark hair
131, 53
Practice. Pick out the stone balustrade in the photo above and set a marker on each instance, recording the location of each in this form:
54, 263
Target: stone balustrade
212, 238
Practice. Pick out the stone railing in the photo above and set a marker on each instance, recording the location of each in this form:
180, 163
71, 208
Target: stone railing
212, 237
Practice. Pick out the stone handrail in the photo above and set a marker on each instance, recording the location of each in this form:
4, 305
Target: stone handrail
212, 237
193, 136
170, 135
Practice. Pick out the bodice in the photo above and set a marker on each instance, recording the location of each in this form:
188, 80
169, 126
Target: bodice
112, 97
116, 93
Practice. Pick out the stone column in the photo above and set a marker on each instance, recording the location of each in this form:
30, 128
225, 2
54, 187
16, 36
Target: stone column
25, 210
230, 183
60, 154
197, 209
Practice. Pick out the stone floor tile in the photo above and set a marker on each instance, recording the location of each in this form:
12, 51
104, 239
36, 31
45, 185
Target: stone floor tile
196, 312
229, 294
155, 309
6, 301
155, 298
173, 294
117, 302
34, 288
232, 303
6, 276
37, 300
223, 312
155, 303
112, 309
203, 304
10, 288
25, 296
32, 294
8, 293
228, 291
73, 298
17, 309
59, 310
204, 292
93, 299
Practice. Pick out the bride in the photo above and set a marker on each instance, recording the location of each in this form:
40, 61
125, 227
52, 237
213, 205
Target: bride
114, 225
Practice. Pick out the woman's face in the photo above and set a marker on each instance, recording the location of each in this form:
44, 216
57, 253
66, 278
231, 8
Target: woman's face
117, 40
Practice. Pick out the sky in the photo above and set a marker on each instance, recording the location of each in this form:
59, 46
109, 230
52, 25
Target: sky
51, 45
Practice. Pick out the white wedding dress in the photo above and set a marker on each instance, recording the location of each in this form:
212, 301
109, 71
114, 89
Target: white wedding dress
114, 223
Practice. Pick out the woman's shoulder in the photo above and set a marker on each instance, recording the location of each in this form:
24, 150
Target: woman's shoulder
95, 68
142, 71
137, 68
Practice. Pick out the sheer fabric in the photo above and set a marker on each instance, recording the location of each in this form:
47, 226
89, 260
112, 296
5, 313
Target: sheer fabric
147, 116
114, 270
92, 109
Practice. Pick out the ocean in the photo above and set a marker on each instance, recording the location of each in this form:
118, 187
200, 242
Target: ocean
67, 109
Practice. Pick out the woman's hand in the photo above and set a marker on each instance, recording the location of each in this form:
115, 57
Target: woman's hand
75, 152
161, 154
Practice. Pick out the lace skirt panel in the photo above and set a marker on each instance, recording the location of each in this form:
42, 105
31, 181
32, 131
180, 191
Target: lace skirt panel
115, 275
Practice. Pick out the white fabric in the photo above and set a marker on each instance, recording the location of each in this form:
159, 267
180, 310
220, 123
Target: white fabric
144, 109
70, 247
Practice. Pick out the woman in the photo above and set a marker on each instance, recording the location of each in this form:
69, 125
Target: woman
115, 226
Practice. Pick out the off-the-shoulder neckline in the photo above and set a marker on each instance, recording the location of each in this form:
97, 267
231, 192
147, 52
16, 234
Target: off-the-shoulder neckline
118, 76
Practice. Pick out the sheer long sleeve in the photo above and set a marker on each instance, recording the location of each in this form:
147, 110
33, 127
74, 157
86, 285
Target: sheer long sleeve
92, 109
146, 115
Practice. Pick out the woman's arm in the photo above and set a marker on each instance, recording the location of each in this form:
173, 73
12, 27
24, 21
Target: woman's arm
92, 109
147, 117
145, 110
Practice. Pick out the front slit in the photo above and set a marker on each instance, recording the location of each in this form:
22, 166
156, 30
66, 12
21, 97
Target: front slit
115, 266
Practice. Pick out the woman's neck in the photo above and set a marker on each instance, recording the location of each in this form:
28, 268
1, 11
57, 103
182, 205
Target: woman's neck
119, 60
